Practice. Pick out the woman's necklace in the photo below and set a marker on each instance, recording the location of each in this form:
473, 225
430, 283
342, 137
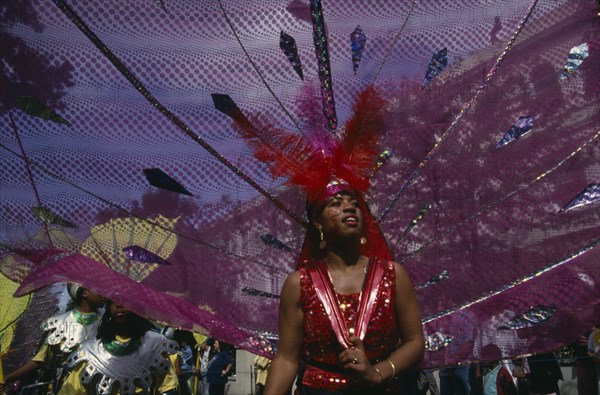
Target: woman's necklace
85, 319
117, 348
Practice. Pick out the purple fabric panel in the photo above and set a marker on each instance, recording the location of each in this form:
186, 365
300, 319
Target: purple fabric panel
495, 213
138, 297
571, 288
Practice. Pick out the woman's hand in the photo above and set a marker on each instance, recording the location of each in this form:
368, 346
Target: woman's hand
356, 362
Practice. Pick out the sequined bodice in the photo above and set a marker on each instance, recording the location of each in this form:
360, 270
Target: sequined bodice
320, 342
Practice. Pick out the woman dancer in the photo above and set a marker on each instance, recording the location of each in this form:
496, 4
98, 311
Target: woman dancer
64, 332
344, 310
349, 312
126, 358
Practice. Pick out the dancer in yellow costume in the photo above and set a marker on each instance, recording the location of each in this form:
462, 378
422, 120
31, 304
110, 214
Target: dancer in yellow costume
126, 358
64, 333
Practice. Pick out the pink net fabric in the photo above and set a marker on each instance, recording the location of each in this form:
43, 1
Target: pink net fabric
495, 224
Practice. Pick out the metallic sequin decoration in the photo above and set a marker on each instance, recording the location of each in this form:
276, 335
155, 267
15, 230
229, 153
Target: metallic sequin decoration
273, 241
50, 218
589, 195
55, 258
532, 317
67, 330
434, 280
160, 179
287, 44
437, 64
415, 174
574, 60
320, 339
522, 126
262, 78
382, 158
256, 292
161, 4
417, 219
437, 341
33, 107
357, 43
262, 343
140, 254
565, 355
320, 39
5, 247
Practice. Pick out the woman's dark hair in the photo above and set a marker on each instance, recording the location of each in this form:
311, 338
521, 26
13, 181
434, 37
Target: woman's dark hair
78, 299
136, 325
188, 337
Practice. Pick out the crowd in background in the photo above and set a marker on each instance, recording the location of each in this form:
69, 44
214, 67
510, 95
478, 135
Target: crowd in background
84, 338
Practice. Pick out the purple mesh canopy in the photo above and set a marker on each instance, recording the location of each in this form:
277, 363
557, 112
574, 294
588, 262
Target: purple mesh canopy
95, 92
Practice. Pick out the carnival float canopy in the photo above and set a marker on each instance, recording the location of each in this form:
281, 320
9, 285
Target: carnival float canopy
121, 169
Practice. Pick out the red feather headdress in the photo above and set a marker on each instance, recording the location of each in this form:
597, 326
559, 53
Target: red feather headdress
319, 162
313, 160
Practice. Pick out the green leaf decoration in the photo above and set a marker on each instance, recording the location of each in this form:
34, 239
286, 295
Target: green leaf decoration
51, 218
33, 107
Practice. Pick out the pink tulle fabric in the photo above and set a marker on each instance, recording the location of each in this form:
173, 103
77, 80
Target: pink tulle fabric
494, 224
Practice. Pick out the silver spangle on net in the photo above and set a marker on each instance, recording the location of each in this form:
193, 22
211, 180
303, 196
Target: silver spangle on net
434, 280
437, 341
532, 317
589, 195
576, 56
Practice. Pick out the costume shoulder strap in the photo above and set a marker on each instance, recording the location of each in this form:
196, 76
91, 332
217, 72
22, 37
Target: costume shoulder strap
373, 280
324, 290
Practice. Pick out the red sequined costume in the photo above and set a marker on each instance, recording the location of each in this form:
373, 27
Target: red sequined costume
321, 347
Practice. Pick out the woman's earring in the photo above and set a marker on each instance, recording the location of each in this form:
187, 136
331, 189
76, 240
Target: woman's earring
363, 241
323, 243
